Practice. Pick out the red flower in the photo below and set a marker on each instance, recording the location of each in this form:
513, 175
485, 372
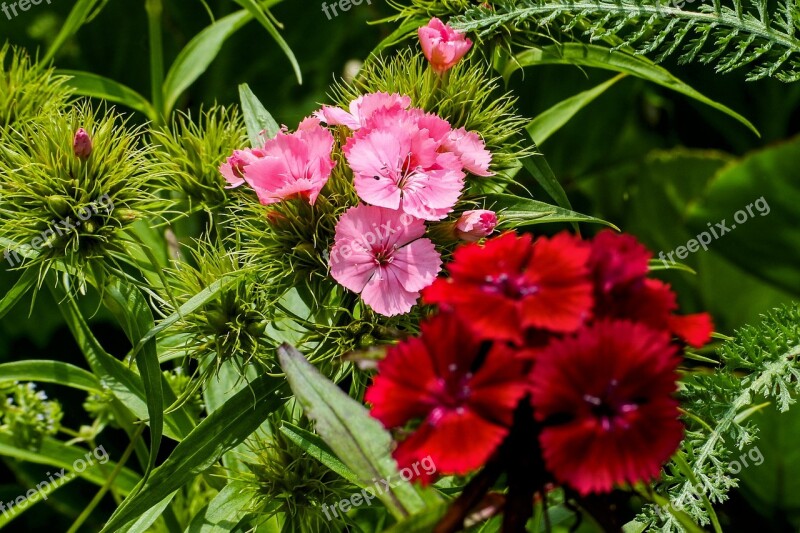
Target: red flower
464, 392
508, 285
604, 396
620, 265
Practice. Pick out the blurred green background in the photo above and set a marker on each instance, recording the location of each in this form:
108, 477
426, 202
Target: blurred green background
655, 163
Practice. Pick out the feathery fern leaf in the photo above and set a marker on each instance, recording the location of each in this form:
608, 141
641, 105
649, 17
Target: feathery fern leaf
729, 37
718, 407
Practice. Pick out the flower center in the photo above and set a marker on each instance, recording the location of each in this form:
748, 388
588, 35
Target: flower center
384, 256
515, 287
609, 411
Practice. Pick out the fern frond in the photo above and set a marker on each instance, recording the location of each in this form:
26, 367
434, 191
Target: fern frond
729, 37
719, 404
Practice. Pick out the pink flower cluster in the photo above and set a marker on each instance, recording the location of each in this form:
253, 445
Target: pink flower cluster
408, 167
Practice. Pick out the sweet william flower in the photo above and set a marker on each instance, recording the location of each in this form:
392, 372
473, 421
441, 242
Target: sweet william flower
464, 395
620, 265
442, 45
233, 168
293, 164
473, 226
361, 109
82, 144
381, 254
605, 399
471, 151
397, 164
543, 285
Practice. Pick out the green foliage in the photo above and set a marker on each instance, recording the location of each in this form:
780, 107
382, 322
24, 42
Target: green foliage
191, 151
759, 363
28, 90
730, 37
72, 210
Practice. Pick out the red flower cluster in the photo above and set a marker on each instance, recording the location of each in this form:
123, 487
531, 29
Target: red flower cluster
573, 326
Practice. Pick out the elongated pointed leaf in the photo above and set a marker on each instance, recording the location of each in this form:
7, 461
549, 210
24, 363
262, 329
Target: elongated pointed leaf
78, 16
27, 281
51, 372
256, 117
88, 84
198, 54
223, 430
258, 12
345, 425
316, 448
540, 169
515, 212
224, 512
601, 57
59, 455
547, 123
132, 312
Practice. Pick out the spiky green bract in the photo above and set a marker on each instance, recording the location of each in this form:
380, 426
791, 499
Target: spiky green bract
191, 152
231, 326
28, 90
27, 415
468, 96
718, 404
287, 481
757, 36
60, 208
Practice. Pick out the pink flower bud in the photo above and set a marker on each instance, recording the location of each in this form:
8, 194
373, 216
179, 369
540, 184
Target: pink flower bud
442, 45
82, 144
475, 225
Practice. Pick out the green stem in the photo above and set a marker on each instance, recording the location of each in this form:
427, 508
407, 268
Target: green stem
105, 488
154, 10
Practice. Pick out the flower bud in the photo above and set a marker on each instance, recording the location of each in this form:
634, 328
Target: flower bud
82, 144
60, 205
475, 225
442, 45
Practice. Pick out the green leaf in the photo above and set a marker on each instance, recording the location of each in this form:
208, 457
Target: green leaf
515, 212
193, 304
28, 280
258, 12
550, 121
198, 54
223, 430
355, 437
538, 167
256, 117
126, 303
316, 448
224, 512
766, 243
421, 522
601, 57
59, 455
80, 14
88, 84
123, 382
143, 523
51, 372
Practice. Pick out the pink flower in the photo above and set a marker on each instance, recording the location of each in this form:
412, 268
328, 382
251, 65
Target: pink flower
471, 150
293, 164
442, 45
233, 169
475, 225
82, 144
397, 164
361, 109
380, 254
